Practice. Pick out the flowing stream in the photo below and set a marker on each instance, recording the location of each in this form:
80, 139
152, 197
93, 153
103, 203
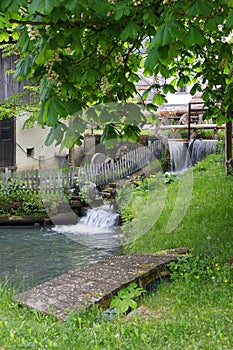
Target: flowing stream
29, 256
184, 154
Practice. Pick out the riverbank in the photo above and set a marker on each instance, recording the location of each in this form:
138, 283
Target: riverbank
193, 312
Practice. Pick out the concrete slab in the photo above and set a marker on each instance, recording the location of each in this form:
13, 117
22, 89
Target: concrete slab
95, 284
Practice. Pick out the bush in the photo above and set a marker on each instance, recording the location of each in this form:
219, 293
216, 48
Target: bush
17, 199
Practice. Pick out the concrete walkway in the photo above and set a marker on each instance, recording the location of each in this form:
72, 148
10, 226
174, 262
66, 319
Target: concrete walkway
95, 284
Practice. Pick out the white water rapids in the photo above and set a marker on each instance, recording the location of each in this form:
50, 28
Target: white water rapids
98, 228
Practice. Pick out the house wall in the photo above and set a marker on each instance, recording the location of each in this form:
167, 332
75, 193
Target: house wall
31, 153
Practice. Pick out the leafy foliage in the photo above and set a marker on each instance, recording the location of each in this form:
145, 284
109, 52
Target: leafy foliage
17, 199
87, 53
125, 298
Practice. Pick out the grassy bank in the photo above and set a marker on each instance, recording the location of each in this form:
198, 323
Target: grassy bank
201, 199
193, 312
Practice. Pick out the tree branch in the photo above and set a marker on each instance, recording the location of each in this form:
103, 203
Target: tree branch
72, 24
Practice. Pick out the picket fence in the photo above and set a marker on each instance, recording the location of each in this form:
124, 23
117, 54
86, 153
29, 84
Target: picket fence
53, 180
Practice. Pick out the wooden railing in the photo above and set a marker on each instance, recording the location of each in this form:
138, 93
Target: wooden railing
52, 180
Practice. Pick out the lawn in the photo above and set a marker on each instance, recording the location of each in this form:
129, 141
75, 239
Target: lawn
193, 310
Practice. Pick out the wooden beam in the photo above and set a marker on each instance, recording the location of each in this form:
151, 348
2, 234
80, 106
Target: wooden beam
228, 143
193, 126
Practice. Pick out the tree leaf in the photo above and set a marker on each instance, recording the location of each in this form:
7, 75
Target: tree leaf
130, 31
131, 132
23, 67
229, 22
4, 5
44, 54
198, 7
77, 124
163, 36
110, 132
169, 88
194, 36
11, 5
152, 59
196, 87
213, 22
73, 5
105, 116
43, 6
50, 137
54, 108
159, 99
119, 13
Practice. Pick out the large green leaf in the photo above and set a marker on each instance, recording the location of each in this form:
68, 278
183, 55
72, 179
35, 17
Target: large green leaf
3, 23
72, 5
159, 99
50, 137
23, 67
152, 59
5, 4
54, 108
11, 5
105, 116
163, 36
194, 36
166, 34
196, 87
77, 124
203, 8
56, 133
44, 55
229, 22
213, 22
169, 88
131, 132
119, 13
110, 132
130, 31
4, 36
43, 6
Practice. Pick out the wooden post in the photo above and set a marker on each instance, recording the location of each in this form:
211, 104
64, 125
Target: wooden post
228, 142
189, 121
71, 157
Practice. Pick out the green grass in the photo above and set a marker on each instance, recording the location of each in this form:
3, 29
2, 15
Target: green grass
207, 225
193, 312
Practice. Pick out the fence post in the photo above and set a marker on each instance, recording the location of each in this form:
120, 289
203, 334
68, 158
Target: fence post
37, 181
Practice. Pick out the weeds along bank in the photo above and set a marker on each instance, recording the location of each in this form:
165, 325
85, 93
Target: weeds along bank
192, 311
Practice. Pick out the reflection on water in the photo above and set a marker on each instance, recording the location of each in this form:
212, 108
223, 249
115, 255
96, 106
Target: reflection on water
29, 256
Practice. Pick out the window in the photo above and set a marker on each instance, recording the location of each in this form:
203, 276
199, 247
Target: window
30, 152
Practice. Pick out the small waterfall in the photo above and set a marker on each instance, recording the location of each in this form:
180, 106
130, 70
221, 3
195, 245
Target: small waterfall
186, 154
178, 154
199, 149
102, 217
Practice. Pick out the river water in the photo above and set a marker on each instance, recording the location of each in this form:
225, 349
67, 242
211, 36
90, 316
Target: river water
31, 255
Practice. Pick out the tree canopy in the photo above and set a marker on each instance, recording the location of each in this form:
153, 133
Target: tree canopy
87, 53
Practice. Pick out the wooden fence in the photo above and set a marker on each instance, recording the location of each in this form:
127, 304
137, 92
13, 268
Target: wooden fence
53, 180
